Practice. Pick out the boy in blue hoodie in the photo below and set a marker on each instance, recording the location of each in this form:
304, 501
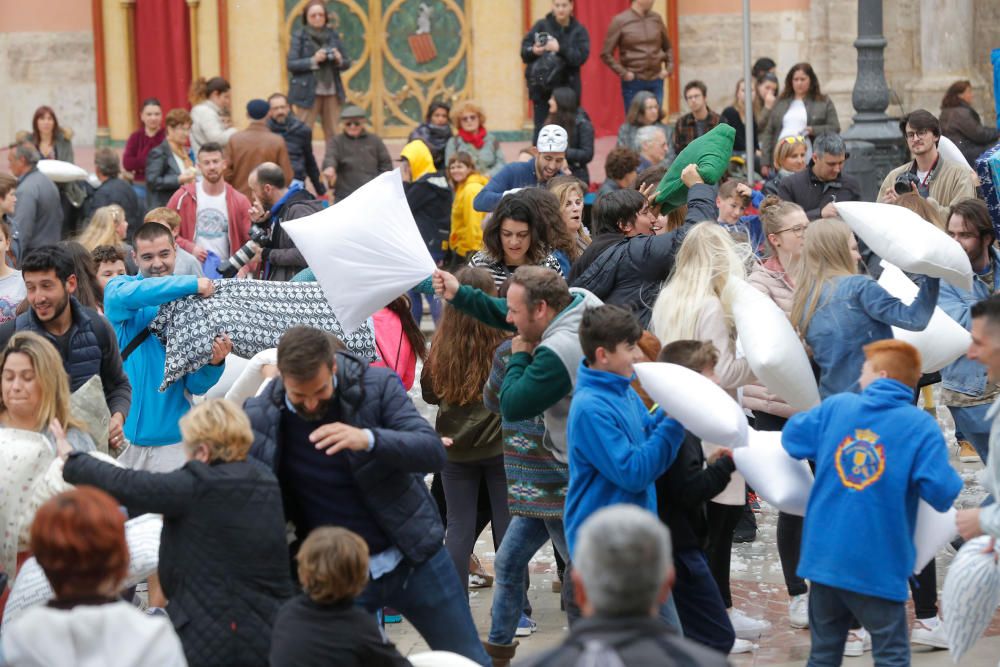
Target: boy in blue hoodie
617, 449
733, 198
876, 456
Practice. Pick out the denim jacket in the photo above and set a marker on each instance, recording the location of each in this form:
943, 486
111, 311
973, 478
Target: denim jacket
964, 375
852, 312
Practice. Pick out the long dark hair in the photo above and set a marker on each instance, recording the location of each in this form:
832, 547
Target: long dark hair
807, 69
567, 104
36, 136
462, 351
88, 290
401, 308
522, 206
434, 106
951, 98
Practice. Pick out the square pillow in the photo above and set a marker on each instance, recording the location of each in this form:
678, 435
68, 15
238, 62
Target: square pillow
711, 152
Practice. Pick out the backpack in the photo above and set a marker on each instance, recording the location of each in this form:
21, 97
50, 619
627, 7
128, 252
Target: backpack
304, 208
544, 75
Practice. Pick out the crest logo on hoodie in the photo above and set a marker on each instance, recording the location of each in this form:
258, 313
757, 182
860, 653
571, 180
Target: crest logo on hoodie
860, 460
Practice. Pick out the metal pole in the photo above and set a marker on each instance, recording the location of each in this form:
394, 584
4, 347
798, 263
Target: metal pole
748, 88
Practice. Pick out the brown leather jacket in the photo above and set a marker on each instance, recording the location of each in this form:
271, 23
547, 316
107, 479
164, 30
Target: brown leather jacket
642, 43
249, 148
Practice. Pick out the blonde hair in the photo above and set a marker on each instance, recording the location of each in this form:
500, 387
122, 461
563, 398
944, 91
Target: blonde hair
101, 230
463, 106
707, 262
164, 216
49, 375
786, 146
826, 255
333, 564
562, 187
773, 211
219, 425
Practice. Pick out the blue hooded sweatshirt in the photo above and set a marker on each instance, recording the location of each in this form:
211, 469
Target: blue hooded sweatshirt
876, 455
617, 449
130, 304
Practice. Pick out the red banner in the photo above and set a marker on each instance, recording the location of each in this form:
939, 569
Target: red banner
162, 52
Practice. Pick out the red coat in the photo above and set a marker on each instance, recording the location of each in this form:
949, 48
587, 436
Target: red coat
185, 202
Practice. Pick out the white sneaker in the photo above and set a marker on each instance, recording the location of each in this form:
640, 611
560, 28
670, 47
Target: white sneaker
742, 646
798, 611
929, 632
746, 627
858, 641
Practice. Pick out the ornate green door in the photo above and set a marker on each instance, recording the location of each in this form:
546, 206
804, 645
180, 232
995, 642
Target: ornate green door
405, 54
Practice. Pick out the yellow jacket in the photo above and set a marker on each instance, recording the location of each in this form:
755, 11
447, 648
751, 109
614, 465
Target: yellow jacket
466, 222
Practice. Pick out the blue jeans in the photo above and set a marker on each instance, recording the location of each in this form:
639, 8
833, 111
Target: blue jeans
630, 88
974, 425
524, 537
431, 597
417, 306
699, 604
140, 192
830, 611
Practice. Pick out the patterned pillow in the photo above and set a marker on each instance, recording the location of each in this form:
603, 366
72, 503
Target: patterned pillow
971, 593
89, 405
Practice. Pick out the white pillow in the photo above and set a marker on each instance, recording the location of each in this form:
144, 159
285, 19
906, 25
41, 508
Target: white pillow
970, 595
702, 406
932, 532
365, 250
439, 659
62, 172
949, 151
235, 365
903, 238
775, 476
772, 347
943, 341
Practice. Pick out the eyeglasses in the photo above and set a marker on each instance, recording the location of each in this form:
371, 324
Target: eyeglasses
353, 123
793, 140
910, 136
798, 230
465, 118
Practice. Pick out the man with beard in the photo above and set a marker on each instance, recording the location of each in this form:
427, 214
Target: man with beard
130, 303
273, 203
350, 450
84, 339
215, 216
298, 139
551, 161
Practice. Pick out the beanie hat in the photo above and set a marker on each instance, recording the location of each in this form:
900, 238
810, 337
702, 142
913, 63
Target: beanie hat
552, 139
258, 109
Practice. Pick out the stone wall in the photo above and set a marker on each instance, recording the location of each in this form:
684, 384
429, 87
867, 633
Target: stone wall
52, 68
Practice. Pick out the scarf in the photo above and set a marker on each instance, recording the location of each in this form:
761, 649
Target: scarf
319, 38
476, 139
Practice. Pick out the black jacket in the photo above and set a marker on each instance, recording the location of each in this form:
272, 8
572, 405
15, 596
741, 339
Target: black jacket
390, 476
574, 46
430, 201
580, 151
298, 139
812, 194
91, 349
282, 259
117, 191
628, 272
162, 176
644, 641
311, 634
223, 554
963, 126
301, 79
682, 491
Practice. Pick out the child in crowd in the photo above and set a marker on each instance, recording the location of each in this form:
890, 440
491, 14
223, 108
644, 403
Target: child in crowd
733, 198
109, 262
876, 455
322, 626
681, 496
617, 449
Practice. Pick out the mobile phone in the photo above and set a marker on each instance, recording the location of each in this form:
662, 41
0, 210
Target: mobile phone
541, 38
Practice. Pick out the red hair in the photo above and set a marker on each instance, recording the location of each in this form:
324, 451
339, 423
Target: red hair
898, 360
78, 537
39, 112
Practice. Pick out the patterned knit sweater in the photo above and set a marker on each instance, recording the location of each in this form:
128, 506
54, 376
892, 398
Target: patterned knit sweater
536, 482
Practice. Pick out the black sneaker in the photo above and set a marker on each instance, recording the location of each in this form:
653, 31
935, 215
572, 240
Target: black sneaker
746, 529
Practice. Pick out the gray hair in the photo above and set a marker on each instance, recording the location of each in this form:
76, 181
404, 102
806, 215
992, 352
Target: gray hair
829, 143
106, 162
623, 555
27, 151
648, 133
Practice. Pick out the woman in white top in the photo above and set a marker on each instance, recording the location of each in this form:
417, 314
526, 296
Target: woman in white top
801, 110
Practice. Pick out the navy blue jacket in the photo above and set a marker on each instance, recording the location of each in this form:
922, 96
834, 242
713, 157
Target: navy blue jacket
298, 139
390, 476
301, 80
513, 176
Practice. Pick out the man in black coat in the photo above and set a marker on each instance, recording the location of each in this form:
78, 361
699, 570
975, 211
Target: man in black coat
350, 450
817, 188
274, 202
113, 190
298, 138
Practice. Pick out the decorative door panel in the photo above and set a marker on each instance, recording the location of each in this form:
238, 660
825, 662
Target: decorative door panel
404, 53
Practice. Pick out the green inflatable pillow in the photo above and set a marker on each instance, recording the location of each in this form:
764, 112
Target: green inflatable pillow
711, 152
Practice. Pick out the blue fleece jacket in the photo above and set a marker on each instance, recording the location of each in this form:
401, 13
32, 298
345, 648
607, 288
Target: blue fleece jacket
876, 455
617, 449
130, 304
512, 176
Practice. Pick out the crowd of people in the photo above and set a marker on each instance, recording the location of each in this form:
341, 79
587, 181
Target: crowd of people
309, 503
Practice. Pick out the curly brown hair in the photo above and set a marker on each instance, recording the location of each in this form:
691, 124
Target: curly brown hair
534, 207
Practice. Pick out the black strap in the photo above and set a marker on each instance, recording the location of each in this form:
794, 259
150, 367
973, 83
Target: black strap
134, 343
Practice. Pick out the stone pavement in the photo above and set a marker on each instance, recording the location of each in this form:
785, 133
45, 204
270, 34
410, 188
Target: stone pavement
757, 586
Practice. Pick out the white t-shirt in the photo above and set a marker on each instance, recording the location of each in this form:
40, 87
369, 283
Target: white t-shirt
211, 230
12, 293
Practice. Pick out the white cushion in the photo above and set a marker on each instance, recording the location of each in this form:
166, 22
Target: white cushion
949, 151
365, 250
943, 341
775, 476
971, 594
62, 172
932, 532
772, 348
903, 238
702, 406
233, 370
439, 659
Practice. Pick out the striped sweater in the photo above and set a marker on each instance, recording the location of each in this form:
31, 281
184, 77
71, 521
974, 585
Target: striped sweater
536, 481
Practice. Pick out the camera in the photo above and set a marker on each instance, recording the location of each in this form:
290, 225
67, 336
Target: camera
541, 38
259, 237
906, 182
329, 54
